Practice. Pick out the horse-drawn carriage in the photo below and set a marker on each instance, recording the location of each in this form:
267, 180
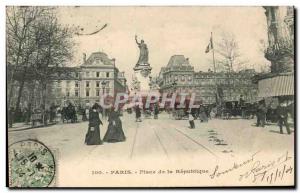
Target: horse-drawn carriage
248, 111
231, 109
180, 114
69, 114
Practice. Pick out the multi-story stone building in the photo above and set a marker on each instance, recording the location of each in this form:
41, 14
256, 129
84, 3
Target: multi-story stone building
179, 76
97, 75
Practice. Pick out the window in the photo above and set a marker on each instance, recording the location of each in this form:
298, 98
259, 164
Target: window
59, 83
97, 74
77, 74
68, 93
76, 93
97, 84
76, 84
87, 84
107, 74
97, 92
87, 93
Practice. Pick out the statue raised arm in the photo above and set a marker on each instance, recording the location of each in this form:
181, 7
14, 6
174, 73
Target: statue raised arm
136, 40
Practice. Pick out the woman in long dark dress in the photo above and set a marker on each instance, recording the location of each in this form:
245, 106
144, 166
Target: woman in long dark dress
93, 135
114, 132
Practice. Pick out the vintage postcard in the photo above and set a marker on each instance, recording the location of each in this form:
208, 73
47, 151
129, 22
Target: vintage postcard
149, 96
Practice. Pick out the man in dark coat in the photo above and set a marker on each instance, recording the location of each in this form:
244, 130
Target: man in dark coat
138, 113
11, 114
156, 111
261, 114
84, 117
282, 113
191, 120
202, 114
52, 112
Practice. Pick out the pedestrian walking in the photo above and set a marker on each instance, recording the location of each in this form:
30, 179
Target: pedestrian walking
11, 113
87, 112
93, 134
138, 114
114, 131
191, 120
84, 117
156, 111
282, 112
52, 112
261, 114
202, 114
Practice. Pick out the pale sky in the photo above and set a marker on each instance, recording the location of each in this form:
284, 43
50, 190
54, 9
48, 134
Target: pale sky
166, 31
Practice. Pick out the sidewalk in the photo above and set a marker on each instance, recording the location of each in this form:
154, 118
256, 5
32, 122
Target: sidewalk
22, 126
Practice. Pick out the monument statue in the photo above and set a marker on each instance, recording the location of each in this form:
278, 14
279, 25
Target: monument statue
142, 69
143, 59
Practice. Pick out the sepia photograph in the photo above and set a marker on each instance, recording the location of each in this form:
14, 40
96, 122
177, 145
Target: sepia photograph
150, 96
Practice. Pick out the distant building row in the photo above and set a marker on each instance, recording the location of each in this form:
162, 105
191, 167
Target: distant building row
179, 76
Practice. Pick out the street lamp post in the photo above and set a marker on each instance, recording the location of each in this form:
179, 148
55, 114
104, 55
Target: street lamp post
103, 83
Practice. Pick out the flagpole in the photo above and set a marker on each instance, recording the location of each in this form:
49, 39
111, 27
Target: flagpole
215, 75
213, 52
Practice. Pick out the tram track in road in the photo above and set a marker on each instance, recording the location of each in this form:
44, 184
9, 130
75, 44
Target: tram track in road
172, 134
160, 142
195, 142
134, 141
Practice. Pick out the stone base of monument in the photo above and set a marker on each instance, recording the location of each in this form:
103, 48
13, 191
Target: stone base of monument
142, 77
143, 81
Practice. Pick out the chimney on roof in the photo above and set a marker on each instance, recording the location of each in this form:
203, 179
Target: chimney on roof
84, 58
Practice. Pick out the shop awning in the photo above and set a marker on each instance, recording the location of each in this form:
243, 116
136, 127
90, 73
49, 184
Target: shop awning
280, 85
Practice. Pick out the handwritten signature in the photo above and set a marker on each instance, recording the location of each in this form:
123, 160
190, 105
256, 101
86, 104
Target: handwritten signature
270, 171
217, 172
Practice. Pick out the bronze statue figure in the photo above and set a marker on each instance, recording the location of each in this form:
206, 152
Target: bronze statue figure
143, 59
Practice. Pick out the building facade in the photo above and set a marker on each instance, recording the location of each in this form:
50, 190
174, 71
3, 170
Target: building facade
98, 75
179, 76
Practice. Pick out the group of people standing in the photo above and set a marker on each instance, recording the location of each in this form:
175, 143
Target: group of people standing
281, 114
114, 131
138, 112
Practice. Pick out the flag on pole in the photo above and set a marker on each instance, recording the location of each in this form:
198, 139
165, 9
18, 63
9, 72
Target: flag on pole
210, 46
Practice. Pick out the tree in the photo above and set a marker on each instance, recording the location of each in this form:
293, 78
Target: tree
38, 46
55, 45
20, 46
229, 56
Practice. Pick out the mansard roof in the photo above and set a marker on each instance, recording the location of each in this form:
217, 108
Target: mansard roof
99, 58
178, 60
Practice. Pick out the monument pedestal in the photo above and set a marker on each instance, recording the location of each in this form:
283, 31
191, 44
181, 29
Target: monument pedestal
141, 77
143, 81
